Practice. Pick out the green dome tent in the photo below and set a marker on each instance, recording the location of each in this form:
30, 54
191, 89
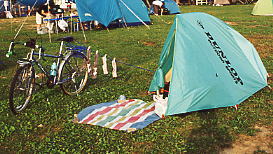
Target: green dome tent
209, 65
263, 7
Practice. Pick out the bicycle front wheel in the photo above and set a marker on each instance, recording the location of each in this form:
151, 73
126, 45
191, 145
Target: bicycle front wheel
21, 88
74, 73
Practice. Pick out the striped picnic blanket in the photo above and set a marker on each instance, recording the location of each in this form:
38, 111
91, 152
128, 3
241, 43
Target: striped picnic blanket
129, 115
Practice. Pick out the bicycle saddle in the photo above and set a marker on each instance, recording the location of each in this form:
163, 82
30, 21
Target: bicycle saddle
30, 43
66, 39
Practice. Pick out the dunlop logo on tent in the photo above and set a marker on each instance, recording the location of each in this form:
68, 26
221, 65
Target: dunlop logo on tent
220, 53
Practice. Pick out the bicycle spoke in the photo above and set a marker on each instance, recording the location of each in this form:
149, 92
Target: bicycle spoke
75, 70
21, 88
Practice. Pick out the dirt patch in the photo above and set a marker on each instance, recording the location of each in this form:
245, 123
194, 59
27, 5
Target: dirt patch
255, 26
263, 44
143, 93
143, 145
151, 44
231, 23
261, 142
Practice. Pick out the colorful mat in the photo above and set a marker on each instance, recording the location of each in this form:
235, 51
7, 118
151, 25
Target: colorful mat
129, 115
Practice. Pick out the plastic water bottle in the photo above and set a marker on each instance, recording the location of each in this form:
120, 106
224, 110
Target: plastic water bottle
122, 97
53, 71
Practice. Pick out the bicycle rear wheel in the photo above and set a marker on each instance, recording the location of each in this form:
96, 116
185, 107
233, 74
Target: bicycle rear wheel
21, 88
74, 73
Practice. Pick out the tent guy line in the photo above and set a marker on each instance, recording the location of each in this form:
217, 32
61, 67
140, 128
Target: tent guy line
135, 14
138, 67
24, 21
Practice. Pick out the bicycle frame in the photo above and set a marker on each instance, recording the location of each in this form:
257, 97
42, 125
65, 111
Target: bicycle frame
70, 72
72, 49
34, 61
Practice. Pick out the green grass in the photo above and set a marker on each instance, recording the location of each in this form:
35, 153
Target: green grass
197, 132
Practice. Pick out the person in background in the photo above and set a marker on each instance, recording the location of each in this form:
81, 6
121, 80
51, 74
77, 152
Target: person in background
158, 6
96, 24
6, 5
42, 12
7, 9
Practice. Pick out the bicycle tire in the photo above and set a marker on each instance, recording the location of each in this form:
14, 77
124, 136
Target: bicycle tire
21, 88
74, 73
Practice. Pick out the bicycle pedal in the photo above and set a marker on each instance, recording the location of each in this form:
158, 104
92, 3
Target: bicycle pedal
50, 85
50, 82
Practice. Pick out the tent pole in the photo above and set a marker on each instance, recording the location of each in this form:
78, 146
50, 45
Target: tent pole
10, 6
123, 17
71, 24
49, 35
134, 14
83, 31
125, 23
11, 25
10, 9
19, 8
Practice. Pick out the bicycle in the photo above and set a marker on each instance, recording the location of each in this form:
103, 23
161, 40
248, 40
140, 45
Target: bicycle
70, 72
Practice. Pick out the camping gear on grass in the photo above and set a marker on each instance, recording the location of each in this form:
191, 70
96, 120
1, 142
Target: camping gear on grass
263, 7
208, 64
63, 25
130, 12
128, 115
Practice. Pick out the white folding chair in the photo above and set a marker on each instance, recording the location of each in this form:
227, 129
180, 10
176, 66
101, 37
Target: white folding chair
201, 2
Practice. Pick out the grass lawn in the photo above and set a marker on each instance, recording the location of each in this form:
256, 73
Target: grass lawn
207, 131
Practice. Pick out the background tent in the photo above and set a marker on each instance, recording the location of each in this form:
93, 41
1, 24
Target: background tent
2, 9
263, 7
171, 5
209, 65
132, 12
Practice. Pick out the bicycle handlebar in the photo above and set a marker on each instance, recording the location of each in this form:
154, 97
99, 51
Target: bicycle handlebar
31, 44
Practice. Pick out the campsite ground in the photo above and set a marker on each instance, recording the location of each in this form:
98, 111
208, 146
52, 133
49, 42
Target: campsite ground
47, 125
